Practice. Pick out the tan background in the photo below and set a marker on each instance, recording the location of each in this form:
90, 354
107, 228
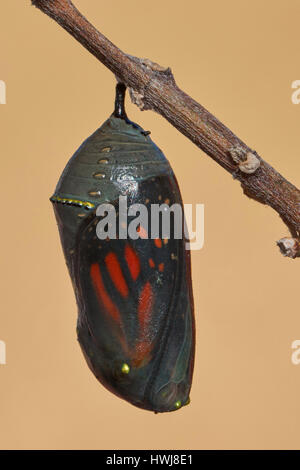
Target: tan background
237, 58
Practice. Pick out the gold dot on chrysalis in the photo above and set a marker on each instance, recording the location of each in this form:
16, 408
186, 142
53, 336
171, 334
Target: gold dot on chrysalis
95, 193
105, 149
125, 368
81, 215
178, 404
159, 197
173, 256
167, 201
147, 200
103, 160
99, 176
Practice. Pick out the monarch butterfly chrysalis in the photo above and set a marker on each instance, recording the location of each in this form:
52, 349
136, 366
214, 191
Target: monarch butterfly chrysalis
135, 303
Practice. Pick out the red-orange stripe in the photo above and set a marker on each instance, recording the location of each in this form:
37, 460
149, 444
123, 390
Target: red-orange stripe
132, 261
143, 345
157, 242
142, 350
115, 272
102, 294
161, 267
145, 307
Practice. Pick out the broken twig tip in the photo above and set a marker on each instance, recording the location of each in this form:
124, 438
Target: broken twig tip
289, 247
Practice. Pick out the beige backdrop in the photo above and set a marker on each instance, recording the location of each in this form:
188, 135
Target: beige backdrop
237, 58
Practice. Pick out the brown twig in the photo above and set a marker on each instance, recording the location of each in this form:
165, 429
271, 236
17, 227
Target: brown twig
153, 87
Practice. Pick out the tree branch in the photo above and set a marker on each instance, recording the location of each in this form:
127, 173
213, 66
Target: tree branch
153, 87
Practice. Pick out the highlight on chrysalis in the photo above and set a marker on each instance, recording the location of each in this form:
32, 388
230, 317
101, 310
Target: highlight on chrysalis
134, 296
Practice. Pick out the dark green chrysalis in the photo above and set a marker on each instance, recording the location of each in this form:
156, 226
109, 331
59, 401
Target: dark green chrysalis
134, 296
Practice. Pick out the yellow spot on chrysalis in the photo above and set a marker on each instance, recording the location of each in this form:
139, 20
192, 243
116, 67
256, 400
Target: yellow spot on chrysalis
106, 149
178, 404
125, 368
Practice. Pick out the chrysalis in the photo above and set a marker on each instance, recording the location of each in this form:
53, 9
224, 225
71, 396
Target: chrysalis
134, 295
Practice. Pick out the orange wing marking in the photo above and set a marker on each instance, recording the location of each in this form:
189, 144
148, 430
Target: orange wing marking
115, 272
132, 261
143, 345
157, 242
103, 295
